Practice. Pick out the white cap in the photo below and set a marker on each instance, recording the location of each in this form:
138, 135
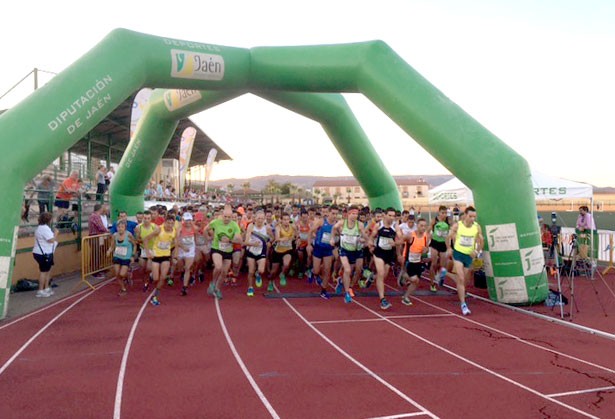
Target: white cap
187, 216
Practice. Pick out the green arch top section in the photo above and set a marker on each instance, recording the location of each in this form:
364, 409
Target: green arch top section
166, 107
53, 118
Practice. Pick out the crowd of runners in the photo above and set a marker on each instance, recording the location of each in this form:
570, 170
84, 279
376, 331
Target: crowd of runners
336, 249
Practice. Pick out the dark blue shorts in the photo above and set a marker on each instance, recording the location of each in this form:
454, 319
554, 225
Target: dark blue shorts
351, 255
322, 252
121, 262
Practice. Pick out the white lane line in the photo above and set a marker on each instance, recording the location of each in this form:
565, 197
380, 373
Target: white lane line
243, 367
474, 364
517, 338
590, 390
61, 300
409, 316
360, 365
37, 334
345, 321
401, 415
117, 409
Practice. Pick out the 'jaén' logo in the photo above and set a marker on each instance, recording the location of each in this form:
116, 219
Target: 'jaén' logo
491, 235
180, 59
528, 260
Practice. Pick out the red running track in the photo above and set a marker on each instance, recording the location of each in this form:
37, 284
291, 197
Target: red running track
297, 357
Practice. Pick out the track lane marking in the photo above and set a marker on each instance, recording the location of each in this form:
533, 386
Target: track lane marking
401, 415
243, 367
515, 337
41, 330
372, 374
117, 408
468, 361
590, 390
409, 316
55, 303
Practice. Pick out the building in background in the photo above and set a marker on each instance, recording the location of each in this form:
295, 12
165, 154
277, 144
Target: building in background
412, 191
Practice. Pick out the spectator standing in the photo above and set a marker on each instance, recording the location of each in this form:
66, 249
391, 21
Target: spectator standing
68, 190
44, 247
101, 184
95, 222
44, 188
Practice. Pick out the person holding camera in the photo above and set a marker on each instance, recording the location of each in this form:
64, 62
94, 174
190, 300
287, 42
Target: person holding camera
45, 242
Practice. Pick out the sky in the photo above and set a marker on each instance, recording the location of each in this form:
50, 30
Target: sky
540, 75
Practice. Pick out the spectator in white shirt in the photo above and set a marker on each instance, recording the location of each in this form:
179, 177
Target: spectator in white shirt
45, 243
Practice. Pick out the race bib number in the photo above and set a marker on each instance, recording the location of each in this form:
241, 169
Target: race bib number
442, 233
466, 241
188, 241
285, 243
164, 245
256, 250
414, 257
350, 241
120, 251
326, 238
226, 247
303, 236
385, 243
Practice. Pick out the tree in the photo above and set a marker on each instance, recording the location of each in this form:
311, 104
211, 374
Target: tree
317, 192
229, 188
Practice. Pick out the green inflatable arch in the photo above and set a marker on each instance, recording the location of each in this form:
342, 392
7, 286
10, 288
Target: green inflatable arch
166, 107
49, 121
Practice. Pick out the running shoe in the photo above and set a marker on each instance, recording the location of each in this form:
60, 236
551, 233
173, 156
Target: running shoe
442, 276
184, 291
319, 280
192, 281
282, 280
270, 287
362, 283
406, 301
384, 304
259, 280
347, 298
401, 279
433, 288
324, 294
300, 275
201, 277
370, 280
340, 286
42, 294
145, 286
291, 273
122, 292
218, 293
170, 282
310, 276
210, 289
154, 301
465, 310
250, 292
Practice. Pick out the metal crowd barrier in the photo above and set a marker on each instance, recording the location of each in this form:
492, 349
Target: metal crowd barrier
94, 256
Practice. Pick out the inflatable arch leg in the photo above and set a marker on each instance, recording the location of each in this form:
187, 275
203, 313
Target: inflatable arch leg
49, 121
159, 120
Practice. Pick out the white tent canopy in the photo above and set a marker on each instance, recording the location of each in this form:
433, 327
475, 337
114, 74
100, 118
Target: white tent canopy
545, 188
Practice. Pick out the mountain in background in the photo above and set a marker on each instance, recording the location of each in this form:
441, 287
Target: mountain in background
306, 182
259, 182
